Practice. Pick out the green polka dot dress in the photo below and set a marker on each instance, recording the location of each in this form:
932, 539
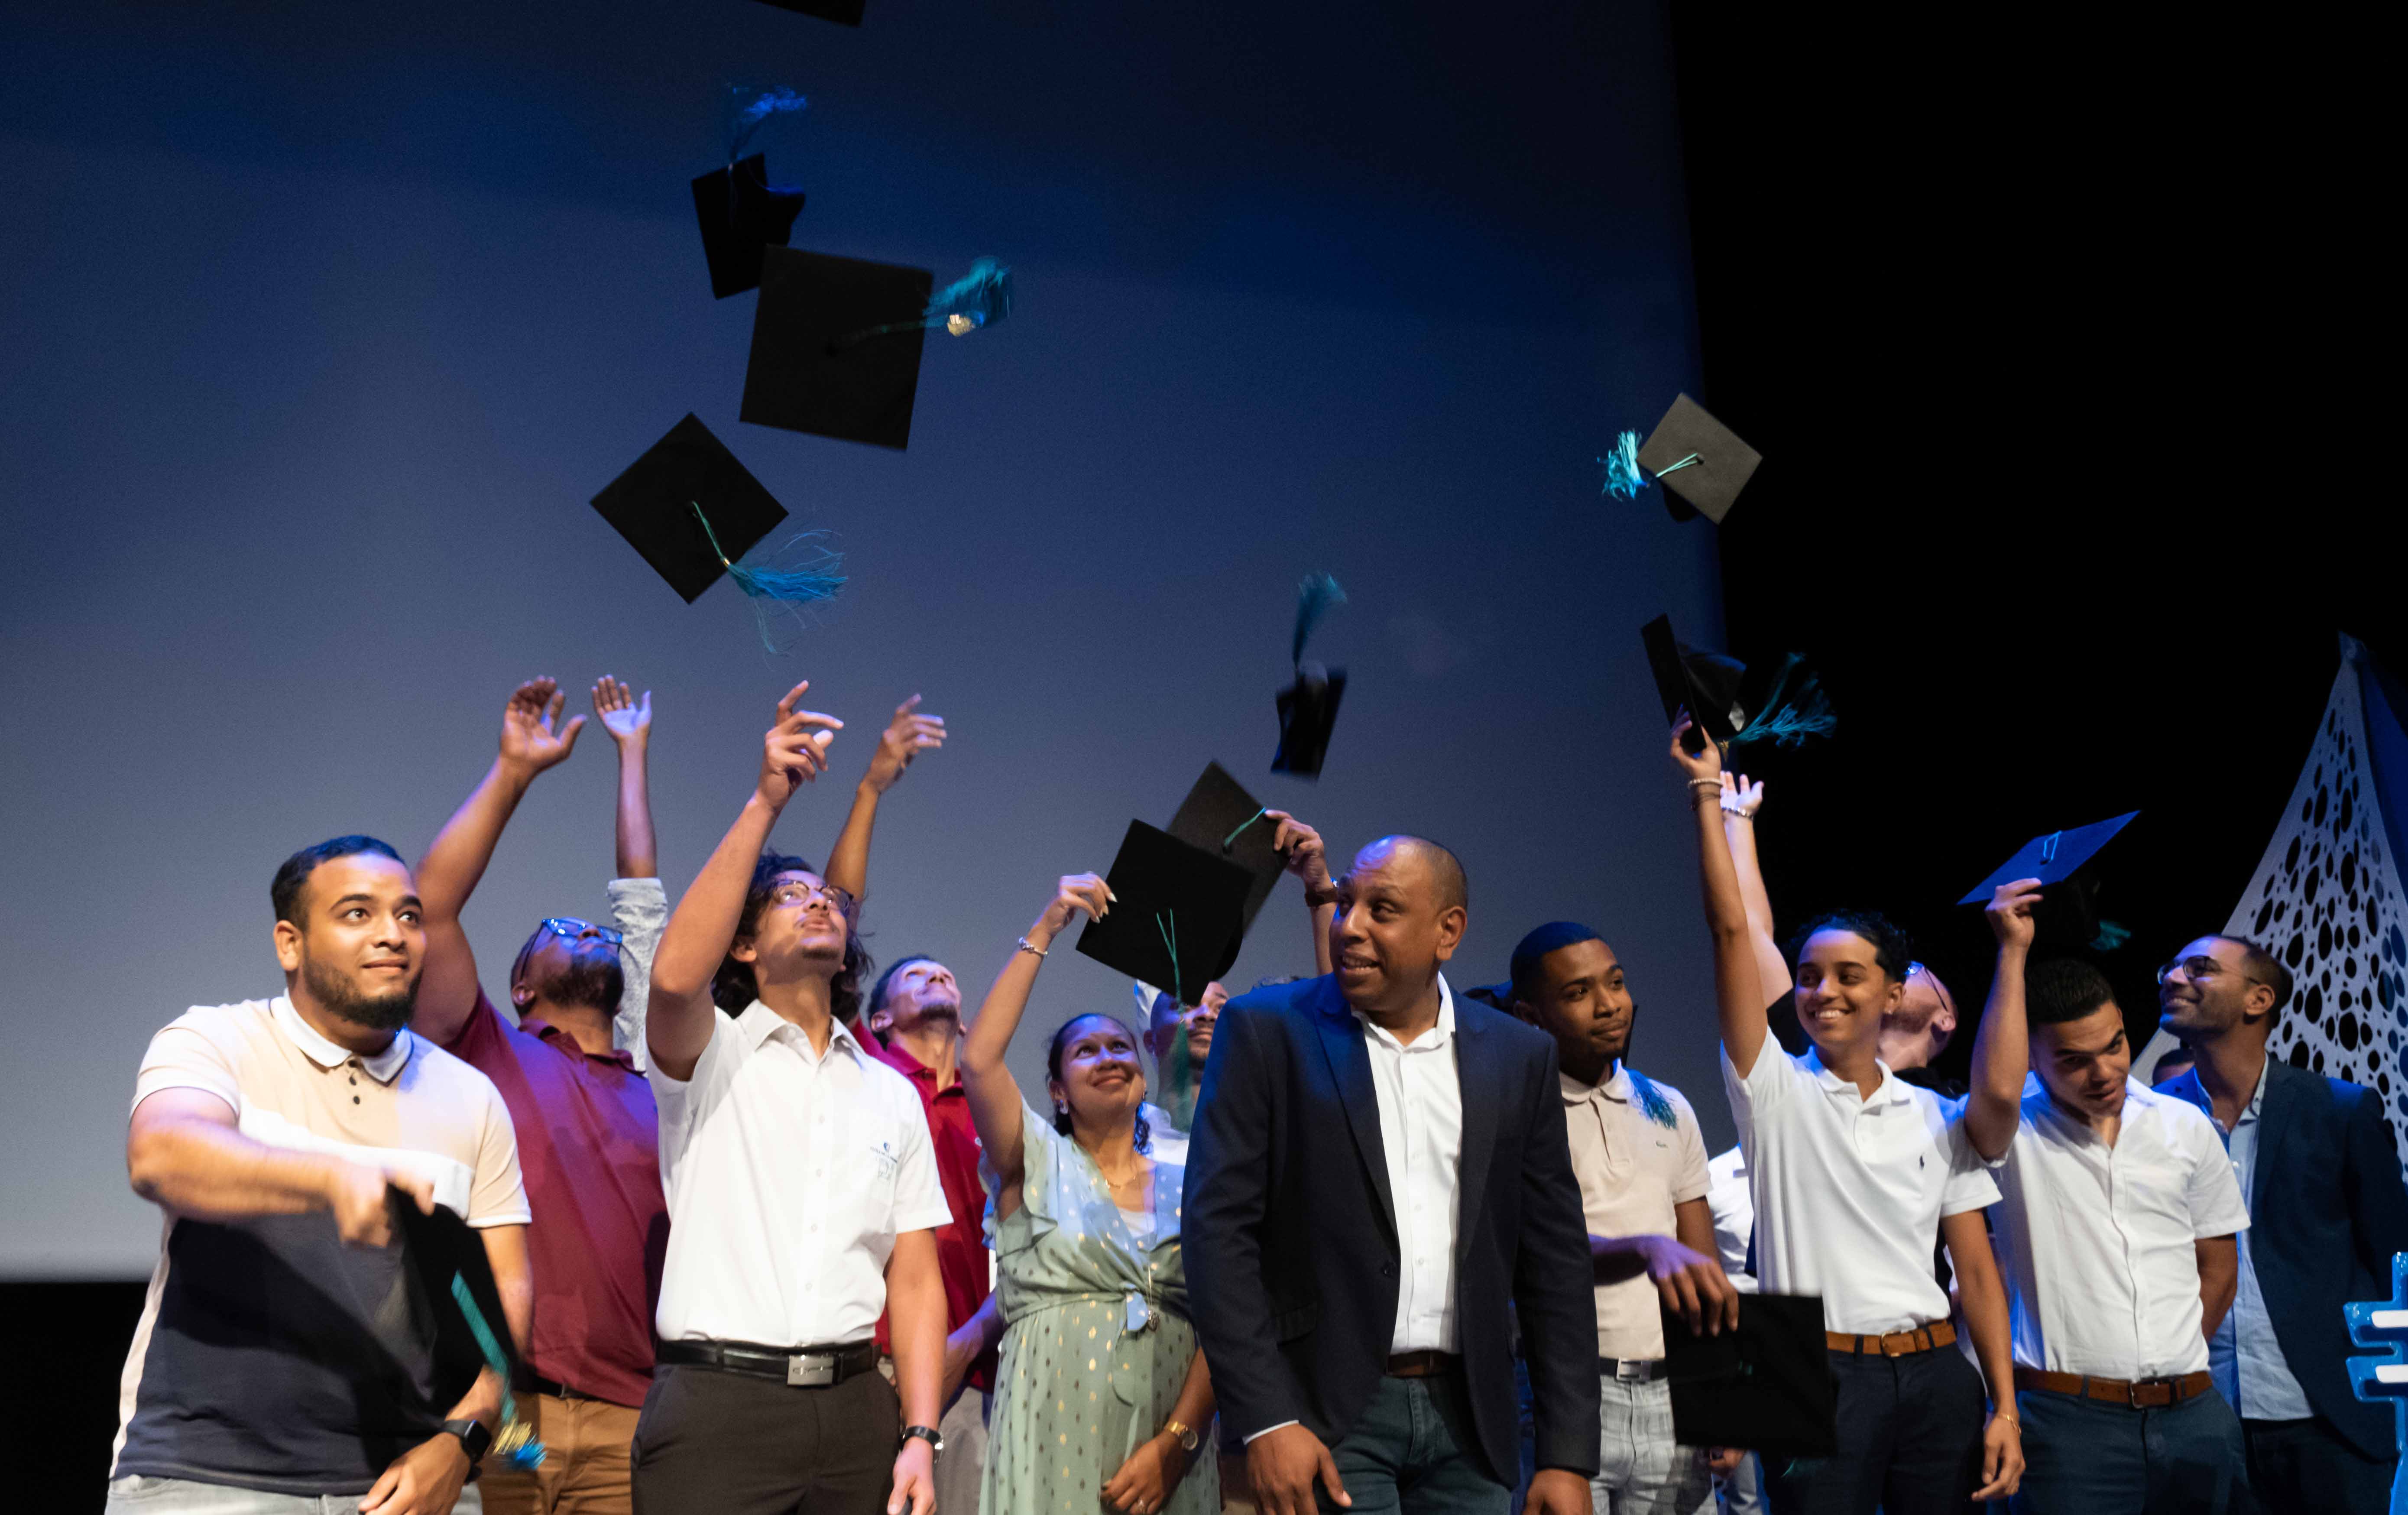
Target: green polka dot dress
1077, 1391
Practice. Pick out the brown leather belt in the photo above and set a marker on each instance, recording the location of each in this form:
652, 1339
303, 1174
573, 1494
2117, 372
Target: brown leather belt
1432, 1364
1897, 1344
2140, 1393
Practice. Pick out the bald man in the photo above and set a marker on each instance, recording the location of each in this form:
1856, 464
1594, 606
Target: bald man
1379, 1180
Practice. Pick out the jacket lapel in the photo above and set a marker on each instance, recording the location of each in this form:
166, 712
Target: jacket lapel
1350, 1071
2274, 1123
1480, 1080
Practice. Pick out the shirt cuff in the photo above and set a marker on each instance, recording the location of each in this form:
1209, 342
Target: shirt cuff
1269, 1429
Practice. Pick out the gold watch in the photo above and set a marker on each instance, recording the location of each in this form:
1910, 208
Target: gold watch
1188, 1439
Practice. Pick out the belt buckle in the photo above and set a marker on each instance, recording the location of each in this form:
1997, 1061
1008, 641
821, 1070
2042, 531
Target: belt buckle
1628, 1371
811, 1370
2138, 1387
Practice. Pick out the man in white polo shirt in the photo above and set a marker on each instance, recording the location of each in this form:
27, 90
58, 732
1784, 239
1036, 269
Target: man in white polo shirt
2117, 1231
804, 1197
1641, 1159
286, 1360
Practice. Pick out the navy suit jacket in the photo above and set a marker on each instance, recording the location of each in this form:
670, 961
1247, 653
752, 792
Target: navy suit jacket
1291, 1241
2325, 1212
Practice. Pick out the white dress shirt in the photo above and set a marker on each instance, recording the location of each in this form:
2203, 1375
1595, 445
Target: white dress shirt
789, 1175
1850, 1191
2100, 1242
1421, 1132
1729, 1197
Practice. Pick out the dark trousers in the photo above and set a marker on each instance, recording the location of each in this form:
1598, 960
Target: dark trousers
713, 1443
2307, 1464
1412, 1452
2085, 1456
1909, 1440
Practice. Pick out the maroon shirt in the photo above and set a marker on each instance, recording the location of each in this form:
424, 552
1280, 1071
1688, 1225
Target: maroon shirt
961, 1246
590, 1150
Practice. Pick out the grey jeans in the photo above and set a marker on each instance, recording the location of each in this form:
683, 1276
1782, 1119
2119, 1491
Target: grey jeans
1644, 1470
139, 1494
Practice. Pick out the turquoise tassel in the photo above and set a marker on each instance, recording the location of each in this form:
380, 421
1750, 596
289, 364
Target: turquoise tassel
976, 300
1651, 1098
2111, 934
1623, 476
1316, 597
1794, 709
748, 109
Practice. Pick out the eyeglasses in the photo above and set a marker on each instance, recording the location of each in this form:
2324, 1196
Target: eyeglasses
2195, 968
572, 928
800, 893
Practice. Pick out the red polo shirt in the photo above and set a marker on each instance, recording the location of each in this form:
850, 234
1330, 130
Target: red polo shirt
961, 1246
589, 1147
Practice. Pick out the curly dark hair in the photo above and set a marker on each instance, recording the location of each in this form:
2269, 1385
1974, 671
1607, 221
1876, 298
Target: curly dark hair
1893, 949
733, 988
1053, 1071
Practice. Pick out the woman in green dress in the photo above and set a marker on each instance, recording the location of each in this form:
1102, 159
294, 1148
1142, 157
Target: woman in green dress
1102, 1399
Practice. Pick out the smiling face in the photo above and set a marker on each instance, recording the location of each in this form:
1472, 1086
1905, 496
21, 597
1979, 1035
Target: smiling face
1843, 992
1400, 916
2207, 991
357, 941
1093, 1068
2085, 1063
921, 995
1578, 997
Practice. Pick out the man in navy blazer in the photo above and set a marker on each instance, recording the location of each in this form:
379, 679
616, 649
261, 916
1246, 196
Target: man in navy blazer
1378, 1180
2326, 1210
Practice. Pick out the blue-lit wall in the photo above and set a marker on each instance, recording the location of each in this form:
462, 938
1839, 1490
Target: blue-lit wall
319, 325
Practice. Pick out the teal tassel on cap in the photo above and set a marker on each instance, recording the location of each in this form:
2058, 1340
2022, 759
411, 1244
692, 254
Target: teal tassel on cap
1651, 1098
2111, 934
806, 575
1316, 597
1794, 709
976, 300
1623, 476
748, 109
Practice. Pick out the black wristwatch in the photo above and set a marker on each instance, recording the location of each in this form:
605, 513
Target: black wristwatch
475, 1439
925, 1433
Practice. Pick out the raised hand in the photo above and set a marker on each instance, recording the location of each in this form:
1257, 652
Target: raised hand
2010, 913
1076, 893
530, 742
793, 752
622, 715
1702, 768
905, 737
1742, 798
1302, 844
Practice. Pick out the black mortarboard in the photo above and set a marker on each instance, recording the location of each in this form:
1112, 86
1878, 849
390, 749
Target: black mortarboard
2067, 916
836, 347
1308, 709
1704, 684
1767, 1386
1701, 465
1177, 916
741, 212
1221, 818
440, 1248
844, 12
654, 505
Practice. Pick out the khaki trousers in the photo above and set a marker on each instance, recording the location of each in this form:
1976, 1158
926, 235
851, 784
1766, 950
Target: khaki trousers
584, 1469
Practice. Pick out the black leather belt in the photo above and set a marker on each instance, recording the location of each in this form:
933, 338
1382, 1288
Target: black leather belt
1631, 1370
801, 1367
1423, 1364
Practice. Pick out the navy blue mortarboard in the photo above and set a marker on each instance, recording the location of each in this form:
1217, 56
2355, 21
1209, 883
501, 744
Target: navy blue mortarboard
2066, 916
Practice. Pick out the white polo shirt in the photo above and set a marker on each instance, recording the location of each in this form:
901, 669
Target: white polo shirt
789, 1175
2099, 1242
1729, 1197
1849, 1191
1421, 1135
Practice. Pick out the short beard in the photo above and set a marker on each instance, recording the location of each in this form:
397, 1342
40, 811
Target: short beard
591, 980
340, 997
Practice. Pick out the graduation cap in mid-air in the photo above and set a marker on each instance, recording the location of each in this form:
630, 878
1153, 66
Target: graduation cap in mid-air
1220, 817
1701, 463
1767, 1386
1308, 709
1177, 914
448, 1265
2066, 919
694, 512
1707, 684
843, 12
739, 210
836, 341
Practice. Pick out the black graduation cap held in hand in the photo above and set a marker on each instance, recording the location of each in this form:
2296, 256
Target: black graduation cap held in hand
1707, 684
438, 1248
1767, 1386
1220, 817
1701, 463
1308, 709
739, 210
1178, 914
836, 341
2066, 919
843, 12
